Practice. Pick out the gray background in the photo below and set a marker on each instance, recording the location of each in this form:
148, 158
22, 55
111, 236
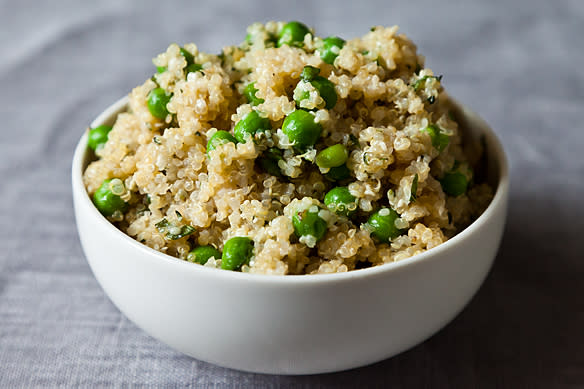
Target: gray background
518, 64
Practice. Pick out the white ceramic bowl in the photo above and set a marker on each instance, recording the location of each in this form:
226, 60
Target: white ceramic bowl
292, 324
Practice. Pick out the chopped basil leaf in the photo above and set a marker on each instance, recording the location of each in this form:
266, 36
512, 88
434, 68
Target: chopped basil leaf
172, 232
161, 225
422, 82
365, 160
414, 189
439, 140
354, 141
184, 231
178, 215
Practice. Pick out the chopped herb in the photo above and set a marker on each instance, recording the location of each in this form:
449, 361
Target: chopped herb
178, 215
372, 28
365, 159
194, 67
197, 133
162, 225
439, 140
422, 82
157, 140
354, 141
184, 231
414, 189
365, 52
172, 232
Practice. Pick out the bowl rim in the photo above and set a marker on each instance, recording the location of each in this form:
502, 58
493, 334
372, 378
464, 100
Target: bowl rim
499, 199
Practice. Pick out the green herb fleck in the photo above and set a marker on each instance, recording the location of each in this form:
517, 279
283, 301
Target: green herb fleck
184, 231
439, 140
414, 189
164, 226
353, 141
420, 83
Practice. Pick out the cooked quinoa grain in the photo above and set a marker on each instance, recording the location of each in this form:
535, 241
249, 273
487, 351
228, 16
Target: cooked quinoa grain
289, 154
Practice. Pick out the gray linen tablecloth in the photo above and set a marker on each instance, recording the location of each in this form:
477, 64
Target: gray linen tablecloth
517, 63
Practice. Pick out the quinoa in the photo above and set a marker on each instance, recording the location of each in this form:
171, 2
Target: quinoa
181, 195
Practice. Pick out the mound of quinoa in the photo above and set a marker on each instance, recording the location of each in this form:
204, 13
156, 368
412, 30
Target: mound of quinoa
386, 101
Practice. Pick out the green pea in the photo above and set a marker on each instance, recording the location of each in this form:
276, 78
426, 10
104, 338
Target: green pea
188, 56
160, 69
382, 224
249, 125
309, 73
341, 201
157, 100
439, 140
269, 161
98, 136
236, 252
292, 34
454, 183
339, 173
330, 48
106, 201
219, 138
301, 129
333, 156
202, 254
309, 223
325, 88
250, 94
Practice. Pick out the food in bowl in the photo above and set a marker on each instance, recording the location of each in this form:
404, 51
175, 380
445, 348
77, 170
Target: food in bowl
289, 154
